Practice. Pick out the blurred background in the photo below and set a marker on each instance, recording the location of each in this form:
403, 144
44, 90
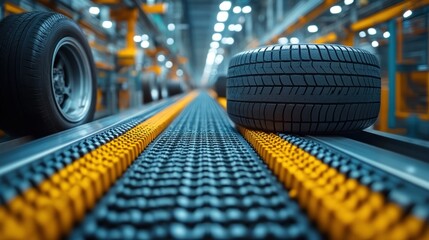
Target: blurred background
149, 50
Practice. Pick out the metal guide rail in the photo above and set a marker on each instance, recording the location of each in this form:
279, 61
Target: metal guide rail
180, 169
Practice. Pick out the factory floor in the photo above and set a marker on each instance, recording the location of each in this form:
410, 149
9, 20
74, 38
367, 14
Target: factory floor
181, 169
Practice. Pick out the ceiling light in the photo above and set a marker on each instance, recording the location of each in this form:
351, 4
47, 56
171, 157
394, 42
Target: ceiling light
216, 36
168, 64
219, 27
170, 41
238, 27
246, 9
312, 28
372, 31
225, 5
362, 34
283, 40
145, 37
228, 40
407, 13
222, 16
211, 57
294, 40
179, 72
386, 34
231, 27
236, 9
214, 45
107, 24
335, 9
94, 10
171, 27
161, 58
218, 59
374, 44
137, 38
348, 2
144, 44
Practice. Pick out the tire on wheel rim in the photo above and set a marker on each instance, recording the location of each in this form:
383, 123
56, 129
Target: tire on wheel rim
304, 88
47, 66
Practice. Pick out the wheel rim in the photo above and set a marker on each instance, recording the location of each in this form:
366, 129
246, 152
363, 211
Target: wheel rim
71, 79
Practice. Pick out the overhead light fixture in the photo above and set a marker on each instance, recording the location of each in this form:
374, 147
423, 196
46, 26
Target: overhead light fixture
216, 36
168, 64
179, 72
348, 2
386, 34
372, 31
144, 44
231, 27
312, 28
236, 9
283, 40
246, 9
294, 40
219, 27
107, 24
170, 41
211, 57
238, 27
94, 10
137, 38
218, 59
145, 37
214, 45
161, 58
228, 40
362, 34
222, 16
407, 13
171, 27
225, 5
335, 9
374, 44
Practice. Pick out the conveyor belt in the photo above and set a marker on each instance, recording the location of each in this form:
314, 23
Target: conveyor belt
200, 178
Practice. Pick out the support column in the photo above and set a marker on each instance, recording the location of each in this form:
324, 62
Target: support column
391, 66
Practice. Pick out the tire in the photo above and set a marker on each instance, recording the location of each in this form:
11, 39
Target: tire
150, 92
304, 88
174, 88
47, 74
220, 86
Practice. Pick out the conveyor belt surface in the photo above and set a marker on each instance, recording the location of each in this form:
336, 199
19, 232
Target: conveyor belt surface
198, 179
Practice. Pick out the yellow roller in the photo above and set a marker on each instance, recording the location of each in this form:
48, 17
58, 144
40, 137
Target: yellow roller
50, 210
340, 206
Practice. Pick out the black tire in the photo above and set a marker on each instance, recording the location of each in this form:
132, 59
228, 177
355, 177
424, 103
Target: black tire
150, 92
220, 86
304, 88
174, 88
29, 44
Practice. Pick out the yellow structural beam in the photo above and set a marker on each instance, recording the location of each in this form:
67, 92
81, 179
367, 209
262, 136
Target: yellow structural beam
126, 56
328, 38
154, 69
157, 8
50, 210
387, 14
341, 207
12, 8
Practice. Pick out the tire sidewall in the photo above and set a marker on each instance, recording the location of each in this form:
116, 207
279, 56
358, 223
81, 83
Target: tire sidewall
61, 29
